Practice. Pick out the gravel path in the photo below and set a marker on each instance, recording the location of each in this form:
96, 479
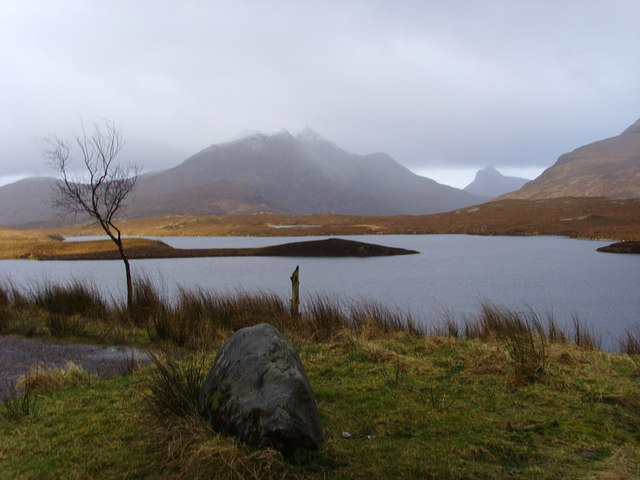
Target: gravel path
17, 355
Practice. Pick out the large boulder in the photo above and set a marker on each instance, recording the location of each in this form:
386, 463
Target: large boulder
258, 390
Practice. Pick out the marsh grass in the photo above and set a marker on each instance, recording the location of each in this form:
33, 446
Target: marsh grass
523, 336
22, 397
394, 374
631, 343
326, 314
199, 318
147, 304
190, 449
174, 387
329, 316
20, 400
584, 337
74, 298
417, 407
61, 325
383, 319
4, 298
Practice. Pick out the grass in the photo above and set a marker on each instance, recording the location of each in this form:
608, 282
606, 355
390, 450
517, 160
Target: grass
20, 401
415, 407
507, 395
523, 337
175, 387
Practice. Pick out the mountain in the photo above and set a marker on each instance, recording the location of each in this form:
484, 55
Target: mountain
277, 173
292, 175
491, 183
28, 202
607, 168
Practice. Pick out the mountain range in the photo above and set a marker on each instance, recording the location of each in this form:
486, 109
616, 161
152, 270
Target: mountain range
607, 168
277, 173
306, 174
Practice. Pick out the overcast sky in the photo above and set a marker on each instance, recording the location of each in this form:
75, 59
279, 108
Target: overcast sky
444, 87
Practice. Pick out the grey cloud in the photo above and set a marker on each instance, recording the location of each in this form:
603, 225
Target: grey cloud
432, 83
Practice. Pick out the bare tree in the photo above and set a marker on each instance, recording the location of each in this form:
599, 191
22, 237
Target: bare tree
102, 188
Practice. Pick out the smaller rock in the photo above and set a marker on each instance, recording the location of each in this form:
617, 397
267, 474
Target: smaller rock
258, 390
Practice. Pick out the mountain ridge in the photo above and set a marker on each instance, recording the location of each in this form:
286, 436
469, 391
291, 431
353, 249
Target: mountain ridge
608, 168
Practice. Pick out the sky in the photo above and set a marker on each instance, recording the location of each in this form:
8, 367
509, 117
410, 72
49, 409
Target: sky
444, 87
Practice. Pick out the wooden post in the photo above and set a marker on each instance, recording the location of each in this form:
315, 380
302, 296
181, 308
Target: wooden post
295, 292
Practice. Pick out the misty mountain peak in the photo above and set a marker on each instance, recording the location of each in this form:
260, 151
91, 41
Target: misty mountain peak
488, 172
257, 137
492, 183
309, 135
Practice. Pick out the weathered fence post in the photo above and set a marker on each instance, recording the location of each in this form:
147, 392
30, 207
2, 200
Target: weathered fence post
295, 292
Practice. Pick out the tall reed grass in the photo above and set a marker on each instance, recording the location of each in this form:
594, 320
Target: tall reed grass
631, 344
174, 387
74, 298
19, 402
522, 334
199, 318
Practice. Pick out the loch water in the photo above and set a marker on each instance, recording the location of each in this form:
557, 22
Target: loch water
450, 276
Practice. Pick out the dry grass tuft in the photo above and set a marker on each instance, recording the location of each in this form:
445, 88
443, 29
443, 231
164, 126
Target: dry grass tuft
191, 449
523, 337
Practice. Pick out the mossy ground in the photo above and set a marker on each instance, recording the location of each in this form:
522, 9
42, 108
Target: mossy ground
413, 407
505, 396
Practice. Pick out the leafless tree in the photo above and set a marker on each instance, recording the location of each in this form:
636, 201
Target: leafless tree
101, 187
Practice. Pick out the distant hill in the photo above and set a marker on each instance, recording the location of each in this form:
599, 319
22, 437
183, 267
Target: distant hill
491, 183
608, 168
27, 203
276, 173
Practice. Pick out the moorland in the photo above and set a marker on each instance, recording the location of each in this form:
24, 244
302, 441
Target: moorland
575, 217
502, 395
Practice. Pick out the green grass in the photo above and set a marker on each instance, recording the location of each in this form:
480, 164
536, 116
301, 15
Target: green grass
508, 395
415, 407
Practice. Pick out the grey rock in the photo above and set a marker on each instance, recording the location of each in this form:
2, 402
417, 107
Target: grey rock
258, 390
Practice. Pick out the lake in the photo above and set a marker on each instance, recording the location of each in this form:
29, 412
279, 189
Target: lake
451, 275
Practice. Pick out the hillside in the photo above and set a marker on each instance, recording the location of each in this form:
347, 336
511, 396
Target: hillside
279, 173
491, 183
607, 168
28, 203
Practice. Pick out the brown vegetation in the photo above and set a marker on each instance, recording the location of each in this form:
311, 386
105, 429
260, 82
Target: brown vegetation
576, 217
582, 217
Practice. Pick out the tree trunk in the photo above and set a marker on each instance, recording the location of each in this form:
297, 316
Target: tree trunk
127, 270
129, 284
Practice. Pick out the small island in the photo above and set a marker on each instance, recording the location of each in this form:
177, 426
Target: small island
621, 247
145, 249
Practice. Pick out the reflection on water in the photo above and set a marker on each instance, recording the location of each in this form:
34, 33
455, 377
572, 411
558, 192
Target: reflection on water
452, 274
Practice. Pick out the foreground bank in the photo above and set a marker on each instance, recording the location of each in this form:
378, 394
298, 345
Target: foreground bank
504, 396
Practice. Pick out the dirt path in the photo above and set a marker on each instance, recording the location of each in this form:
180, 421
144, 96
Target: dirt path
18, 355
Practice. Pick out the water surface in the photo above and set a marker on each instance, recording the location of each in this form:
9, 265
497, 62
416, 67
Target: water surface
452, 274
